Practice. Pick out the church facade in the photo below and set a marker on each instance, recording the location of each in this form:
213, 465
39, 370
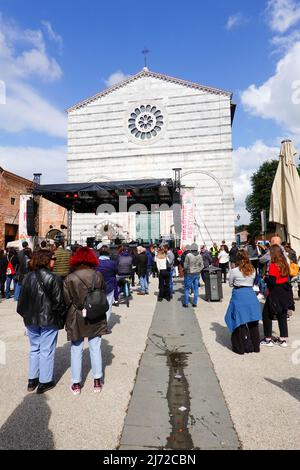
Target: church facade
144, 127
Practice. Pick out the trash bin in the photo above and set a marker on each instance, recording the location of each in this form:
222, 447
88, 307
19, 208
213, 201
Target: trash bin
213, 284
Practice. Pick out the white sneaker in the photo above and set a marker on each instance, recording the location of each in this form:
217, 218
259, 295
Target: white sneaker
267, 342
282, 343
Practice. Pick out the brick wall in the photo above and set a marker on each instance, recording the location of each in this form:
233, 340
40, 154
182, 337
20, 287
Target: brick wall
11, 186
51, 214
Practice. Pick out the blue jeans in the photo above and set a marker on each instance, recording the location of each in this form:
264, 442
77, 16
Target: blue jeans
17, 290
149, 271
95, 356
42, 352
191, 281
7, 286
143, 283
171, 282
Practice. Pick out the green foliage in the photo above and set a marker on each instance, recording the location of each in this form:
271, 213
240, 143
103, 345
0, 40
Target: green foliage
241, 228
259, 199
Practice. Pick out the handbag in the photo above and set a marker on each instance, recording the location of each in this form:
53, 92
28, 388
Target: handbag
10, 269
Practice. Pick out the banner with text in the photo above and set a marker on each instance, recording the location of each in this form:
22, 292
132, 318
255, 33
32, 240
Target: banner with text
187, 217
23, 235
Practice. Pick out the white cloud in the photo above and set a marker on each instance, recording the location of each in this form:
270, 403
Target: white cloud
282, 14
235, 20
275, 99
25, 161
53, 35
283, 43
25, 109
246, 161
23, 56
115, 78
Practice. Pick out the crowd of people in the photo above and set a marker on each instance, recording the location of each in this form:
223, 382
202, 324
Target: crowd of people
76, 288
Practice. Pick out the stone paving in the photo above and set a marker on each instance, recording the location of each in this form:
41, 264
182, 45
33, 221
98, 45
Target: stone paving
177, 402
250, 401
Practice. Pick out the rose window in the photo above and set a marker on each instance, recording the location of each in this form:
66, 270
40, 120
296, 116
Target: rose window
145, 122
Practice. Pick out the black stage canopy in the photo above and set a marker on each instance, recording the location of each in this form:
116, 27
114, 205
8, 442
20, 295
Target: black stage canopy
87, 197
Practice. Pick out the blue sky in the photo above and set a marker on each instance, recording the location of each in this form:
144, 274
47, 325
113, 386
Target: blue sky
55, 53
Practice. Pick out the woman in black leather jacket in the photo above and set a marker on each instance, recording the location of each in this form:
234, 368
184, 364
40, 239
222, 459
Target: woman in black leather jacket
41, 304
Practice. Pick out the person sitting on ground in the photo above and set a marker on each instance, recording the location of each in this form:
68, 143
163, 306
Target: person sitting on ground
244, 312
193, 265
279, 299
41, 304
78, 327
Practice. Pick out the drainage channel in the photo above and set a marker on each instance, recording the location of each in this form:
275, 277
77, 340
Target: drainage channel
179, 402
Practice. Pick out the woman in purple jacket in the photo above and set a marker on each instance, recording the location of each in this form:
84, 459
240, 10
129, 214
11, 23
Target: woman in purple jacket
108, 269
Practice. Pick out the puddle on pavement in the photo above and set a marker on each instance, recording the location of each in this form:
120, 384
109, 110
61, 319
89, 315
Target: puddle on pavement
178, 396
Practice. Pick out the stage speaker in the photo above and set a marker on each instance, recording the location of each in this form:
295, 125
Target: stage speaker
90, 241
31, 210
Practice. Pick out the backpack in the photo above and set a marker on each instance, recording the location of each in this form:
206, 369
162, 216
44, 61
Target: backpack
294, 269
95, 303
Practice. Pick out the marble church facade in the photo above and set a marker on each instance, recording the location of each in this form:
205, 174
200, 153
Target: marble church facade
144, 127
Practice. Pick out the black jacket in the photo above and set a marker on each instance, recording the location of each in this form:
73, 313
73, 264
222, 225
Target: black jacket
39, 308
233, 254
22, 268
142, 262
280, 298
3, 266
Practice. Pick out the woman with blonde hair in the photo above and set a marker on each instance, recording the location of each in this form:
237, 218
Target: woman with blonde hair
244, 310
164, 275
279, 299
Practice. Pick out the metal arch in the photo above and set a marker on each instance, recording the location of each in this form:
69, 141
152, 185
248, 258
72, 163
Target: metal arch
218, 183
207, 174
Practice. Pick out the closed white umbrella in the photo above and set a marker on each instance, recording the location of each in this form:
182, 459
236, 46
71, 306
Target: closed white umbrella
285, 195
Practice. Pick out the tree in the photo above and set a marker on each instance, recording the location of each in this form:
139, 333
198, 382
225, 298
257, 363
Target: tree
241, 228
259, 199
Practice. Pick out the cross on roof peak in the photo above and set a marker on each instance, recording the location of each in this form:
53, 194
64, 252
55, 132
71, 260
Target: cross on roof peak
145, 52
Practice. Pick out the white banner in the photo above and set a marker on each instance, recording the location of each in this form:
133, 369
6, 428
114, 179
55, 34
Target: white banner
187, 217
23, 235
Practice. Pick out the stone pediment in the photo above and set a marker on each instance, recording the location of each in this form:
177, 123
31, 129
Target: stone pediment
144, 73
